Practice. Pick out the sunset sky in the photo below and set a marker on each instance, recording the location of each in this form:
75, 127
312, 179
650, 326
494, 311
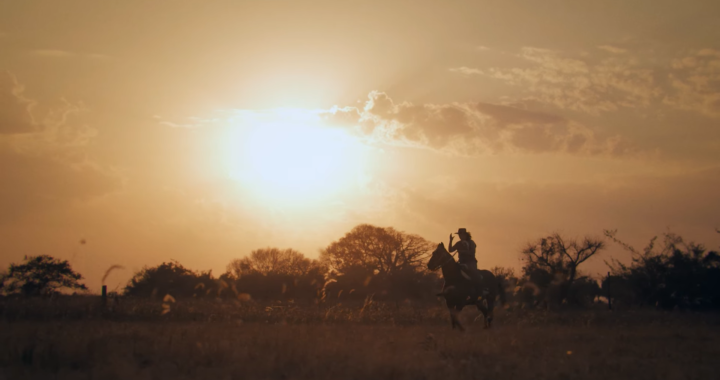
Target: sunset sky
201, 130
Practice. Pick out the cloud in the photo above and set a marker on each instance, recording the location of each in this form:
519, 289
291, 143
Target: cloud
341, 117
52, 53
176, 125
195, 122
45, 163
696, 81
15, 115
58, 53
580, 85
466, 70
612, 49
470, 128
582, 82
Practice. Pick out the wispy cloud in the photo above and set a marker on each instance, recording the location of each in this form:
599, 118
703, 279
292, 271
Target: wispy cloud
466, 70
58, 53
612, 49
43, 159
15, 109
696, 81
617, 80
195, 122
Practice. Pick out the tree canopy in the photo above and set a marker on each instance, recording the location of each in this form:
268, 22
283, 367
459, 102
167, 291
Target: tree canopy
379, 250
555, 260
668, 275
41, 275
267, 261
169, 278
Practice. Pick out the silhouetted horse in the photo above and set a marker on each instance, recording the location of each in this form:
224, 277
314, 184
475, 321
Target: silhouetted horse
461, 289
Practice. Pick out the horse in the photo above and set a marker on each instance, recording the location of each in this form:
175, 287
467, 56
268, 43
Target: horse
460, 289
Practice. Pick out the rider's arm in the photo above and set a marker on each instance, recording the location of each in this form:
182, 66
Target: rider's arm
460, 246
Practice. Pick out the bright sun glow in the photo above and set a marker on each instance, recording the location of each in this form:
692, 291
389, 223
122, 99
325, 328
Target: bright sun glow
286, 155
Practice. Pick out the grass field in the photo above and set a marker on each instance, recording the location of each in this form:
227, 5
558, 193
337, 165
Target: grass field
357, 341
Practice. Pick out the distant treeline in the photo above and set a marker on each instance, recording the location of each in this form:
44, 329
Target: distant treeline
367, 261
383, 263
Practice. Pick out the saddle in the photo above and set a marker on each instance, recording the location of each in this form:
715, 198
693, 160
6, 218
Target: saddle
471, 274
476, 278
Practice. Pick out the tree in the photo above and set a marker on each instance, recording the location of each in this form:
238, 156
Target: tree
553, 259
377, 250
504, 273
273, 273
671, 274
271, 261
170, 278
41, 275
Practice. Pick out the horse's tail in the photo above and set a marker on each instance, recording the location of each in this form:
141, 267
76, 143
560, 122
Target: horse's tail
501, 290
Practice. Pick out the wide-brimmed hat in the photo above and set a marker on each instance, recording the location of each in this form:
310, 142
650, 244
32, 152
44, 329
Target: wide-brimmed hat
461, 231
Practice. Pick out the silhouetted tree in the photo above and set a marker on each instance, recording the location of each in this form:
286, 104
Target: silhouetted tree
553, 261
584, 291
505, 273
171, 278
271, 261
381, 251
275, 273
675, 274
379, 261
41, 275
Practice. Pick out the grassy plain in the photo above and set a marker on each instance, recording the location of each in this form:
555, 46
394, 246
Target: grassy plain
74, 339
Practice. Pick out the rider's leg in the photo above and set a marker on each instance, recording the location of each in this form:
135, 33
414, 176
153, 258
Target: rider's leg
470, 267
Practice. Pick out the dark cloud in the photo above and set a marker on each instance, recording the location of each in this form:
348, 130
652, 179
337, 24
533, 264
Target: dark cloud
468, 128
513, 115
15, 116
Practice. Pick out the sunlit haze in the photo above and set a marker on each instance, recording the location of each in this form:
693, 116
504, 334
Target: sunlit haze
286, 156
198, 131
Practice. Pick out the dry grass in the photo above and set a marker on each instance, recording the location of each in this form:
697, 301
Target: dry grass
399, 341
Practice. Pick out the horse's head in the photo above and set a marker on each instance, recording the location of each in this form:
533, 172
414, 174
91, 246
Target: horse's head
440, 257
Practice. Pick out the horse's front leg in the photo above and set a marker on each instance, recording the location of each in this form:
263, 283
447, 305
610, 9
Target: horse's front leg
454, 309
484, 306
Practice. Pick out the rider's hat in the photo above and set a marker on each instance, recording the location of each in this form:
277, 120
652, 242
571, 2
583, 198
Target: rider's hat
461, 231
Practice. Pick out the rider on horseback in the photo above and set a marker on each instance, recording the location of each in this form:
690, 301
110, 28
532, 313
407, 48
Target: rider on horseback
466, 254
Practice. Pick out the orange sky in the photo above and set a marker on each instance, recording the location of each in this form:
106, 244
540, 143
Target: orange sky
200, 130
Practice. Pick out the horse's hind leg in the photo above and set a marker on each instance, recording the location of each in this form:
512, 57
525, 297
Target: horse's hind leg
480, 304
454, 313
490, 312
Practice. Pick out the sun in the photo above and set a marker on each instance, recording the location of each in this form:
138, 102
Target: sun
288, 155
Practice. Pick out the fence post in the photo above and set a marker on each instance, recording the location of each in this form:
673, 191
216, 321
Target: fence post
104, 295
609, 295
